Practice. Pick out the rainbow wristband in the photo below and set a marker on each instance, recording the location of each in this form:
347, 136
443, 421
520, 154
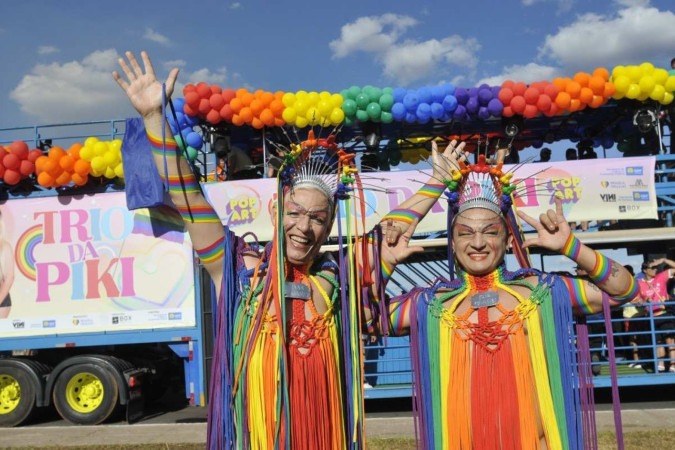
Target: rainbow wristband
158, 146
211, 253
386, 271
628, 295
403, 215
432, 190
572, 247
602, 269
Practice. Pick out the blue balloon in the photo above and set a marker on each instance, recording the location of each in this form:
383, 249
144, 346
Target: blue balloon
398, 111
398, 94
446, 117
194, 139
450, 103
437, 94
179, 103
462, 95
424, 111
449, 89
410, 117
410, 101
437, 110
425, 95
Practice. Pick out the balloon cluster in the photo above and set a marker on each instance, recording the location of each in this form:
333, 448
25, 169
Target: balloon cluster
105, 157
62, 167
481, 102
17, 162
425, 104
584, 90
528, 101
368, 104
183, 125
643, 82
312, 108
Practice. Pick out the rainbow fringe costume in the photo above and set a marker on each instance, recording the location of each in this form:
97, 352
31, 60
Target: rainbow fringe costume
492, 384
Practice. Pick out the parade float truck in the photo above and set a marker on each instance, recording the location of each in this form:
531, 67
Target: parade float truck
104, 313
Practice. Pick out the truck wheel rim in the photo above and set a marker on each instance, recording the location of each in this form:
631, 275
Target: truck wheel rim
84, 392
10, 394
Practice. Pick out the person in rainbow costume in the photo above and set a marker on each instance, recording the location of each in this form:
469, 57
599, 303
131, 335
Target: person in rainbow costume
492, 350
287, 369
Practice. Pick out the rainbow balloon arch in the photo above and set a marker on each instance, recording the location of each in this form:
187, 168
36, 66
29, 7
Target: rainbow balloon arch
205, 106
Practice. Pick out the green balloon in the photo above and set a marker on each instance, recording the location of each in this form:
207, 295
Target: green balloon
353, 92
375, 94
386, 117
374, 110
191, 153
349, 122
349, 107
386, 102
345, 93
362, 115
388, 90
362, 100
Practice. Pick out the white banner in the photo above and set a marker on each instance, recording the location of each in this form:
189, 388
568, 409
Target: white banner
595, 189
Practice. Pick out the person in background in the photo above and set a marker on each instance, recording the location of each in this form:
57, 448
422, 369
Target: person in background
220, 172
571, 154
654, 291
544, 155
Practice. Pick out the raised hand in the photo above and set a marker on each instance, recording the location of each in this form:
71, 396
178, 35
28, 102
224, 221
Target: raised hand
444, 162
552, 228
141, 84
396, 247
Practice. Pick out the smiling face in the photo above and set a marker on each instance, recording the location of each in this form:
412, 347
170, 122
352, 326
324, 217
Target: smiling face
307, 222
480, 240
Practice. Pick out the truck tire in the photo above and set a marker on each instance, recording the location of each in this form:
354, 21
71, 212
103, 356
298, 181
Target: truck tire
17, 396
86, 394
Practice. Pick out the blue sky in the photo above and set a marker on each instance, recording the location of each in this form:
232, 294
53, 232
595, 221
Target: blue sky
58, 55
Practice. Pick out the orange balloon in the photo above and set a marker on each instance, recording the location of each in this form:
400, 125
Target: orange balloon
67, 163
267, 98
256, 106
562, 100
50, 166
246, 114
575, 104
82, 167
267, 117
602, 73
582, 78
278, 122
610, 89
236, 120
79, 180
257, 123
277, 107
56, 153
74, 150
63, 179
247, 98
560, 83
598, 101
586, 95
597, 85
45, 180
236, 105
573, 88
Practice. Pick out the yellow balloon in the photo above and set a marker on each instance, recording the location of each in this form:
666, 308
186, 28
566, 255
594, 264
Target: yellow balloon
288, 99
301, 122
657, 93
109, 173
647, 84
87, 153
336, 100
337, 116
98, 164
618, 71
634, 73
301, 95
324, 107
119, 170
660, 76
324, 95
647, 68
667, 98
621, 83
313, 98
100, 148
90, 141
633, 91
313, 115
301, 106
670, 84
289, 115
110, 158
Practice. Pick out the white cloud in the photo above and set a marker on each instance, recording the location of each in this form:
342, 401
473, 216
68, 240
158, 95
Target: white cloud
633, 35
235, 6
527, 73
84, 90
154, 36
168, 65
47, 50
408, 60
370, 34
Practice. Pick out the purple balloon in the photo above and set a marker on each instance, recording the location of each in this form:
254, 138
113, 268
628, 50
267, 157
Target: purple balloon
462, 95
460, 112
472, 105
398, 111
484, 96
473, 92
449, 103
483, 113
495, 91
495, 107
437, 110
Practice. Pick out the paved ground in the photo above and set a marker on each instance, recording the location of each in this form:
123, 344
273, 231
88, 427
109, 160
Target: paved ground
188, 426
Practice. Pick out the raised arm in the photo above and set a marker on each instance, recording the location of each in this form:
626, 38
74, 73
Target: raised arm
554, 233
202, 223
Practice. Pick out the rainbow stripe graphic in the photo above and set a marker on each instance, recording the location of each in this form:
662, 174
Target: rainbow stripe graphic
25, 247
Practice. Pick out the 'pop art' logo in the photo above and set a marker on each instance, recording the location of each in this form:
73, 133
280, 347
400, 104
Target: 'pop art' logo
243, 206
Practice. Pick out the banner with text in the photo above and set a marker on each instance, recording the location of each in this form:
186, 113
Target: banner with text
88, 264
594, 189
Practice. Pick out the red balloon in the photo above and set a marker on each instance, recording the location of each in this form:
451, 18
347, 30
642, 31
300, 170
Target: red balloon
26, 168
204, 90
518, 104
505, 95
192, 99
507, 84
215, 89
34, 154
204, 106
11, 161
19, 148
551, 90
2, 172
226, 113
217, 101
544, 103
507, 112
531, 95
213, 117
530, 111
12, 176
228, 95
519, 88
